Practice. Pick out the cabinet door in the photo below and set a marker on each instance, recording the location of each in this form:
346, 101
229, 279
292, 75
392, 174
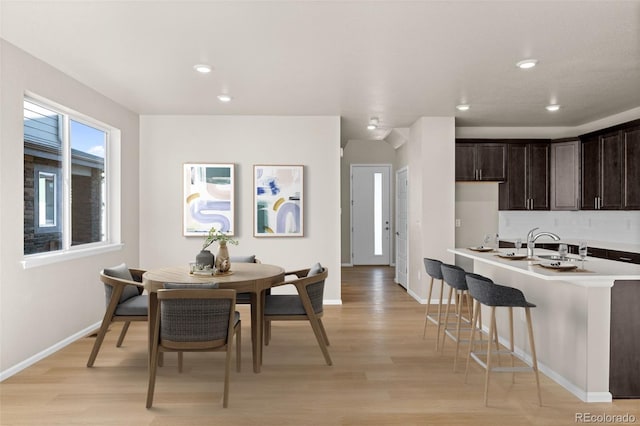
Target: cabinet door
565, 176
538, 176
465, 161
590, 173
631, 172
491, 161
517, 183
611, 169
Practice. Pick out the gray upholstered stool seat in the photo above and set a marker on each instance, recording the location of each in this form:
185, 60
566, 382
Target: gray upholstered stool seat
432, 267
456, 278
493, 295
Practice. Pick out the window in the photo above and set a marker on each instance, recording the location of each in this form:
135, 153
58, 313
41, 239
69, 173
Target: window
65, 179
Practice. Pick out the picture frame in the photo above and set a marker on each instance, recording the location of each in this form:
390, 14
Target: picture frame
278, 207
208, 198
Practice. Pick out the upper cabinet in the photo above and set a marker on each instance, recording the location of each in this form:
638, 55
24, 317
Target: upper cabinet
565, 175
527, 184
480, 161
610, 163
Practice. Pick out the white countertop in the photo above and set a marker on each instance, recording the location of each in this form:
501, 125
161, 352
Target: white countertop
597, 272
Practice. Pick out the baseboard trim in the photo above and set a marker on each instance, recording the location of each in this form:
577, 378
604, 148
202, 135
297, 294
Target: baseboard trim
47, 352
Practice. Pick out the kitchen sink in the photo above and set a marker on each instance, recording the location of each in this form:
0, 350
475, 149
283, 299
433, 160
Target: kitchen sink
556, 257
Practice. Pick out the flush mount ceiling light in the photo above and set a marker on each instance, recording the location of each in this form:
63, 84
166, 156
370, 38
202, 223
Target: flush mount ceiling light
373, 123
463, 107
202, 68
224, 98
527, 63
552, 108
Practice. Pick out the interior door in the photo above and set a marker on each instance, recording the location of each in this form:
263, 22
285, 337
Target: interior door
370, 214
402, 240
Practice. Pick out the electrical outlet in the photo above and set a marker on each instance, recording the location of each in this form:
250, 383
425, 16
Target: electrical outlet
458, 223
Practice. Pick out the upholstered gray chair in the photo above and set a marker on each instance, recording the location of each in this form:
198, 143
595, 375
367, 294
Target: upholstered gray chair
195, 320
307, 305
125, 303
494, 295
432, 267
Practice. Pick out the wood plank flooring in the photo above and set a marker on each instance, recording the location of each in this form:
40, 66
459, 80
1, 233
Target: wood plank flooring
384, 373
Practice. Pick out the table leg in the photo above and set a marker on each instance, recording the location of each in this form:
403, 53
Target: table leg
256, 342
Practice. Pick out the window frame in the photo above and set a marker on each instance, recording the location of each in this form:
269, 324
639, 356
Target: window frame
112, 216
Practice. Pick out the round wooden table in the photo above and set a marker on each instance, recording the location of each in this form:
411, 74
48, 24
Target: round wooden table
253, 278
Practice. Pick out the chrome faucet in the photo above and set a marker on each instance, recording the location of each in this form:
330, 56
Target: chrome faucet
531, 240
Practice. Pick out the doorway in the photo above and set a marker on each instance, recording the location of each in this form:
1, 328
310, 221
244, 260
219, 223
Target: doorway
370, 214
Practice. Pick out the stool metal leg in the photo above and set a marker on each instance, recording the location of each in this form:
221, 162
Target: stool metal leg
446, 317
511, 344
474, 325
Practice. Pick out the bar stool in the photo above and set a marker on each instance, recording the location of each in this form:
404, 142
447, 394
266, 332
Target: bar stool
433, 268
494, 295
456, 278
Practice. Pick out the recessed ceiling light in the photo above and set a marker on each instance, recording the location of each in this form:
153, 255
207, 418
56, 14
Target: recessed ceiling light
224, 98
463, 107
373, 123
552, 108
527, 63
371, 127
202, 68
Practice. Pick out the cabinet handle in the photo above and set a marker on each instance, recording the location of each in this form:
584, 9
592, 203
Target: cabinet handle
532, 204
480, 174
595, 203
625, 259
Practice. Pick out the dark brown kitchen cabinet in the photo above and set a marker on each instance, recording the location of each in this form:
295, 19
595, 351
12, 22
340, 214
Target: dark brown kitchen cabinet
481, 161
611, 169
527, 184
631, 168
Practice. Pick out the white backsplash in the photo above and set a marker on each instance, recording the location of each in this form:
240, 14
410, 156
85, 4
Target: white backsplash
612, 226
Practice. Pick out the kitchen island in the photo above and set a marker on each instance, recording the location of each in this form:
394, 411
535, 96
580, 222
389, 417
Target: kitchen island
572, 321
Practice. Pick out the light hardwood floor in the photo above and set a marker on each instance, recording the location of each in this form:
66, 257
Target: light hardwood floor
384, 373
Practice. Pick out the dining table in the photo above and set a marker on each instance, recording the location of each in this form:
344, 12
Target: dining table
252, 278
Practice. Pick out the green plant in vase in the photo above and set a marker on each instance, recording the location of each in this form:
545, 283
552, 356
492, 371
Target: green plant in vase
222, 262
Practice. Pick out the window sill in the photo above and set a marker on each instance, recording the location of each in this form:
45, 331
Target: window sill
35, 260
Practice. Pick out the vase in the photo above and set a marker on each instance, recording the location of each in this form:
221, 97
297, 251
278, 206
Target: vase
223, 264
204, 260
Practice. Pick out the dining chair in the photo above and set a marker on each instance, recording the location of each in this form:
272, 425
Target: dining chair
307, 305
124, 300
195, 320
243, 298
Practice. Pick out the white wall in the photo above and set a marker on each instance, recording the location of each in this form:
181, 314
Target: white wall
44, 307
476, 209
430, 157
169, 141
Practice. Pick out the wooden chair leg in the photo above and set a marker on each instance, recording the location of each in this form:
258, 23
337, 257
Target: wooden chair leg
316, 326
227, 368
534, 359
426, 315
439, 314
238, 332
488, 373
153, 364
446, 318
474, 324
324, 332
267, 332
458, 322
123, 333
511, 343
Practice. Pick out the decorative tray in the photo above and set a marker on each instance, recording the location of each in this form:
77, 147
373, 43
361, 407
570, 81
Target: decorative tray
512, 256
480, 248
559, 265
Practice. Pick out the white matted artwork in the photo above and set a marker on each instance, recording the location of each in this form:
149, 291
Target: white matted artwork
278, 201
208, 199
